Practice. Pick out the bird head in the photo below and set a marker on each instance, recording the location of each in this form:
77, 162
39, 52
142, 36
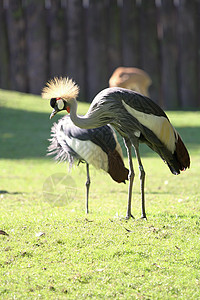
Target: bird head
60, 91
58, 104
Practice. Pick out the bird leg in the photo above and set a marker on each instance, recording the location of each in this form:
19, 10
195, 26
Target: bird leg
87, 188
142, 179
131, 176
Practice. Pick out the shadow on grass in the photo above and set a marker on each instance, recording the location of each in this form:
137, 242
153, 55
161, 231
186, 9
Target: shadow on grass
25, 134
10, 193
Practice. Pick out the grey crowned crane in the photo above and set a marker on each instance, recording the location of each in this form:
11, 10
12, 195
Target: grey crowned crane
98, 147
136, 117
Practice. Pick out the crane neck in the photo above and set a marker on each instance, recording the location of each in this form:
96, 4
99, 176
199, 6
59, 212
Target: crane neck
86, 122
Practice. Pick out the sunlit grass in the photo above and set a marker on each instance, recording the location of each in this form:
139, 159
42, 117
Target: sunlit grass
55, 251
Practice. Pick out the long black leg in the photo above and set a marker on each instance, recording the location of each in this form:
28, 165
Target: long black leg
142, 179
87, 188
131, 176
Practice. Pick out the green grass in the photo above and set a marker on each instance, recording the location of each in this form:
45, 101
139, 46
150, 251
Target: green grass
55, 251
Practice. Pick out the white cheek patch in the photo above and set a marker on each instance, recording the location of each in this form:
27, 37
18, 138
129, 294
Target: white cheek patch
60, 104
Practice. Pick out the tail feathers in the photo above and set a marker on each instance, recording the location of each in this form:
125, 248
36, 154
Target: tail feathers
116, 167
180, 160
182, 154
174, 168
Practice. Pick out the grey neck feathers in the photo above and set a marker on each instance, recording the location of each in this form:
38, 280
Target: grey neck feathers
93, 119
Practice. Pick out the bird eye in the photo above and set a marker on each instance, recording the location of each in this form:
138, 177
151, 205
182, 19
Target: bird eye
60, 104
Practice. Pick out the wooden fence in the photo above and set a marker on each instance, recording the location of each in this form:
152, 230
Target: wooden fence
88, 39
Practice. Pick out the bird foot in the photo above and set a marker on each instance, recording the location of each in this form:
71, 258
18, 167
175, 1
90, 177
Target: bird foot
144, 217
129, 216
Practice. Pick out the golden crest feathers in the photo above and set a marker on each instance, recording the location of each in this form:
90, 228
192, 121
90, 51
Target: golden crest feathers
61, 87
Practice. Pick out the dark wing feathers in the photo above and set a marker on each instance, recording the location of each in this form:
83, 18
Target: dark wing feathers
135, 100
102, 136
182, 154
177, 161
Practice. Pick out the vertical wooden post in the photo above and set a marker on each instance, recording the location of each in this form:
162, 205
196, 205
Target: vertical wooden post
149, 50
130, 33
36, 36
114, 36
4, 57
75, 45
17, 46
169, 55
96, 47
56, 40
188, 35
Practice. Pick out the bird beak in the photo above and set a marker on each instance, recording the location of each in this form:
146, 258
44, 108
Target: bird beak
54, 112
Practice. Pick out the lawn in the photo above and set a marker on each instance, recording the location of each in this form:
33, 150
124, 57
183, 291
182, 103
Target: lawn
53, 250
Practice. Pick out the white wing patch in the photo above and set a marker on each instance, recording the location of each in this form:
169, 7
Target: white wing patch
159, 125
118, 147
90, 152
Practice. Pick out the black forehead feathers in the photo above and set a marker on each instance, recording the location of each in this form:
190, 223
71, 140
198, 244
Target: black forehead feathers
53, 102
